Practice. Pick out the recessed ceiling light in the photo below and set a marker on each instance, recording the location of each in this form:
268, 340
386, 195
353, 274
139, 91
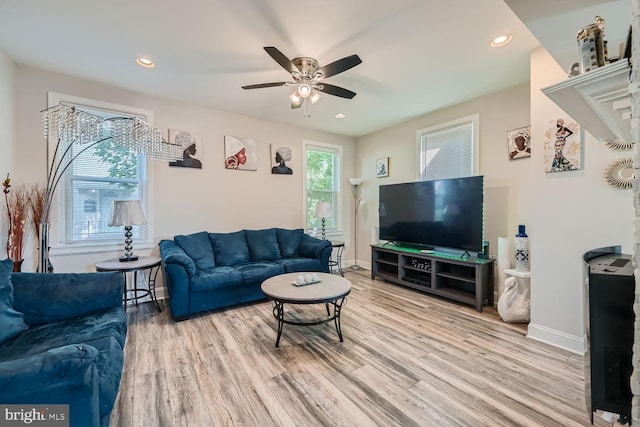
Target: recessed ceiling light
501, 40
340, 116
145, 62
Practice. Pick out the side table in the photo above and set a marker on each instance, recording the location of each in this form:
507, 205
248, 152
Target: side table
339, 245
134, 267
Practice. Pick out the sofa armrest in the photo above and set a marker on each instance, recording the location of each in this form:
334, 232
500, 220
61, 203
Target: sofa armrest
46, 297
65, 375
171, 253
312, 247
177, 269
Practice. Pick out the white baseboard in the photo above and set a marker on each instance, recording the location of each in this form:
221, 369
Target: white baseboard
572, 343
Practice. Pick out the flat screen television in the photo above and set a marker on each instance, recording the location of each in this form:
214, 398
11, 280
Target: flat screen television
439, 213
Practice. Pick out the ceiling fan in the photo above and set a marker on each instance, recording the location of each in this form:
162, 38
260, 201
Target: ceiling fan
309, 76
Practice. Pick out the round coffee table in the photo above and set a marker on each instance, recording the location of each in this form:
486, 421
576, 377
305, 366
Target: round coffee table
331, 289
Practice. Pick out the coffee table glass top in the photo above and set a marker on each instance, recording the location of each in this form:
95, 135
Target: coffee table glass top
329, 288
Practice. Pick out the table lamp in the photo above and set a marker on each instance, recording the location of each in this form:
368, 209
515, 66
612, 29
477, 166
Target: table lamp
323, 210
127, 213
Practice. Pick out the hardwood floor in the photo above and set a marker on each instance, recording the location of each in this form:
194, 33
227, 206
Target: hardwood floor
407, 359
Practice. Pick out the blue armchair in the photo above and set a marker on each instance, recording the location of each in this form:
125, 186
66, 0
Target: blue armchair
62, 342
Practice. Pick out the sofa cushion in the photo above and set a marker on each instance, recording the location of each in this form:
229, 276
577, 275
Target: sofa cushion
11, 321
263, 244
57, 376
289, 241
79, 330
215, 278
297, 264
47, 298
258, 272
230, 248
198, 247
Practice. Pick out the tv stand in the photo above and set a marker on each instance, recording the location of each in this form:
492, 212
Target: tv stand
468, 280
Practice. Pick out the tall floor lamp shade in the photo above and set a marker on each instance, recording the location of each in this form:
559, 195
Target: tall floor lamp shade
323, 210
127, 213
356, 182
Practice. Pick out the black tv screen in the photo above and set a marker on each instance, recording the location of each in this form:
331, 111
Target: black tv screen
439, 213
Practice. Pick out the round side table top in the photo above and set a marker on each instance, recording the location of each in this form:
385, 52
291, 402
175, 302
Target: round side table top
330, 288
141, 263
336, 243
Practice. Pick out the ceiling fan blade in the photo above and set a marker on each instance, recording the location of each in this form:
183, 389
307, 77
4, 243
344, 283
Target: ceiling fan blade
261, 85
335, 90
281, 59
339, 66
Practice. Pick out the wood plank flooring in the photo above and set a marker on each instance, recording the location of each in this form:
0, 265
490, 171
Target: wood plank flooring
407, 359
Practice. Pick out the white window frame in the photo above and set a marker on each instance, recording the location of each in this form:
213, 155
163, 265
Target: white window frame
61, 219
337, 210
474, 120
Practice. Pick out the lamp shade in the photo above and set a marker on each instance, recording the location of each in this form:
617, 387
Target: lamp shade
323, 210
127, 212
355, 181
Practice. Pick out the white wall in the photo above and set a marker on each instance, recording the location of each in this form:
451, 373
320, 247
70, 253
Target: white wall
183, 200
506, 186
7, 132
571, 213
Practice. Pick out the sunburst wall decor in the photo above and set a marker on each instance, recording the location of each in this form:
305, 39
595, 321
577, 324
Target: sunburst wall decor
618, 144
619, 173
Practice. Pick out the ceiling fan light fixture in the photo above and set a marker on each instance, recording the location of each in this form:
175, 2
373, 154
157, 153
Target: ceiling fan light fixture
304, 90
296, 100
315, 96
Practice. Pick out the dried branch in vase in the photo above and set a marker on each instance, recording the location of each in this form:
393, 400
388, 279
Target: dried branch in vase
37, 197
18, 210
6, 188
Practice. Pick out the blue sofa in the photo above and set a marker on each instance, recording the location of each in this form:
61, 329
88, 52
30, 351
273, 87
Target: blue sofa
61, 342
204, 271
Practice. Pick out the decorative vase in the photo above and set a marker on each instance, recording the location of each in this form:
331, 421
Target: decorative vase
17, 266
522, 250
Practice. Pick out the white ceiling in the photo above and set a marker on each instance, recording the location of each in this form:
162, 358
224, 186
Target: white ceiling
418, 55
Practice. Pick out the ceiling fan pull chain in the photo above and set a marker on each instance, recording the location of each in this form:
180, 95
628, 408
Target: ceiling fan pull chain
306, 111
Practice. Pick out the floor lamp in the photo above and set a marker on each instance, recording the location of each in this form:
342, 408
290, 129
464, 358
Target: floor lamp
68, 126
356, 183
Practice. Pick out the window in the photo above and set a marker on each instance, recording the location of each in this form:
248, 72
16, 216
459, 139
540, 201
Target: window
323, 171
100, 174
449, 150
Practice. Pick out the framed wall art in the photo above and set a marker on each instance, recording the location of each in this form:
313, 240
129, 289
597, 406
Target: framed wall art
382, 167
519, 143
240, 153
280, 155
192, 148
562, 145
